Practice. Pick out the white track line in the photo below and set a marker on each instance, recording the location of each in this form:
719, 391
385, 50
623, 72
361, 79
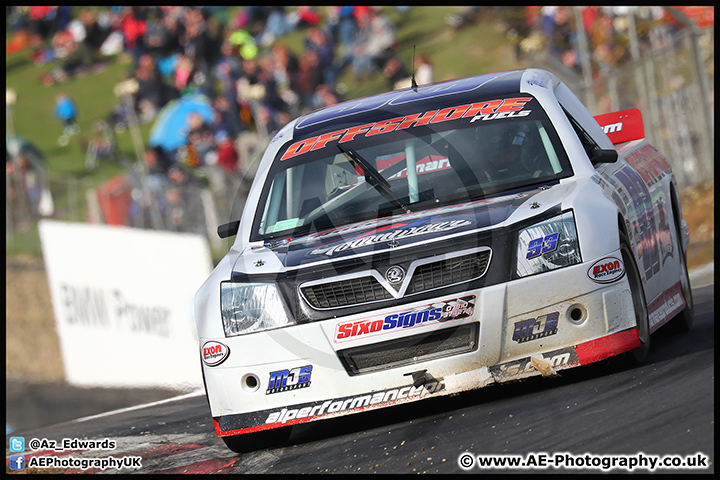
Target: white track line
196, 393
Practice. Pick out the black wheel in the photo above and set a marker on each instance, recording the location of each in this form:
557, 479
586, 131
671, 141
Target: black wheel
683, 320
639, 303
258, 440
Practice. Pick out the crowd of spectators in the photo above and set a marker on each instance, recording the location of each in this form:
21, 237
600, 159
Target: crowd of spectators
255, 83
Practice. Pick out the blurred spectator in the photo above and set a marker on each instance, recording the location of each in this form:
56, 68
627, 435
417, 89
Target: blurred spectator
133, 30
181, 211
201, 142
227, 156
66, 112
309, 76
42, 21
563, 39
425, 72
343, 28
152, 92
95, 34
318, 41
396, 74
375, 37
226, 118
276, 26
225, 165
157, 165
183, 71
307, 17
518, 27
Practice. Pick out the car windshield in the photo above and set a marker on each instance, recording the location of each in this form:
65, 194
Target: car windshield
342, 176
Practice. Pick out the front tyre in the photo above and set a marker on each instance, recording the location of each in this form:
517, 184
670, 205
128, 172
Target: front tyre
639, 303
684, 320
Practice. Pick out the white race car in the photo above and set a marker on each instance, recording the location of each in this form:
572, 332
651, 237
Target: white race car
433, 240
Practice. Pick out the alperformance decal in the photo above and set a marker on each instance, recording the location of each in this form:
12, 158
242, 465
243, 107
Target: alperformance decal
241, 423
486, 110
425, 315
349, 403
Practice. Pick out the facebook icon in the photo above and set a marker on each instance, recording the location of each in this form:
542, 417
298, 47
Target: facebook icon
17, 462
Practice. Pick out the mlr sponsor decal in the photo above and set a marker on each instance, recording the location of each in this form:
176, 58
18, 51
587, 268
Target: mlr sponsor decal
214, 353
606, 270
286, 380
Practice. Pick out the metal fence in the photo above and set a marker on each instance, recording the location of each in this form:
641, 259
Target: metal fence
198, 204
668, 77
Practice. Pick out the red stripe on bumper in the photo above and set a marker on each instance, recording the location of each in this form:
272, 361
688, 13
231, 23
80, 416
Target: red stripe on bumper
609, 346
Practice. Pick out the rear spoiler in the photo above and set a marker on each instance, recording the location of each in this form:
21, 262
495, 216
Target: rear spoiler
622, 126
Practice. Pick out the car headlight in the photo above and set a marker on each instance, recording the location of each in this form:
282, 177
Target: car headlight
251, 307
548, 245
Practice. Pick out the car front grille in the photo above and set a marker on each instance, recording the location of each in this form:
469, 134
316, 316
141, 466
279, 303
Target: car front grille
410, 350
449, 272
345, 292
428, 275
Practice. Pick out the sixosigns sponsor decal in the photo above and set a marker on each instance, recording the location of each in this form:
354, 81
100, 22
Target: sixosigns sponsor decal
214, 353
606, 270
286, 380
425, 315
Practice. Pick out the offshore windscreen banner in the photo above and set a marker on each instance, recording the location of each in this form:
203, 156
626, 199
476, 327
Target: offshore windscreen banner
123, 303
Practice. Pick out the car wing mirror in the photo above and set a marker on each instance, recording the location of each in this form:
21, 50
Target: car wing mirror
228, 229
599, 155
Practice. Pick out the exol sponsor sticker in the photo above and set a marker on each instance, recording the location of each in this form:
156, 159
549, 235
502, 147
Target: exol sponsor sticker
286, 380
534, 328
606, 270
427, 314
214, 353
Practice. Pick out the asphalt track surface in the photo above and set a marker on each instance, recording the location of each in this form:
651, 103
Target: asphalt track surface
663, 407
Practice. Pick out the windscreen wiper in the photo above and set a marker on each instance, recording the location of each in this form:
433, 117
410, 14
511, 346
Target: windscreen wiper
373, 177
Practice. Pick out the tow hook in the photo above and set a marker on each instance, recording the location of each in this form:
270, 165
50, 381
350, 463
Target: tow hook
422, 378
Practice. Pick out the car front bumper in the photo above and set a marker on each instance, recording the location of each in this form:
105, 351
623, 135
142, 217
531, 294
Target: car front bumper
531, 326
